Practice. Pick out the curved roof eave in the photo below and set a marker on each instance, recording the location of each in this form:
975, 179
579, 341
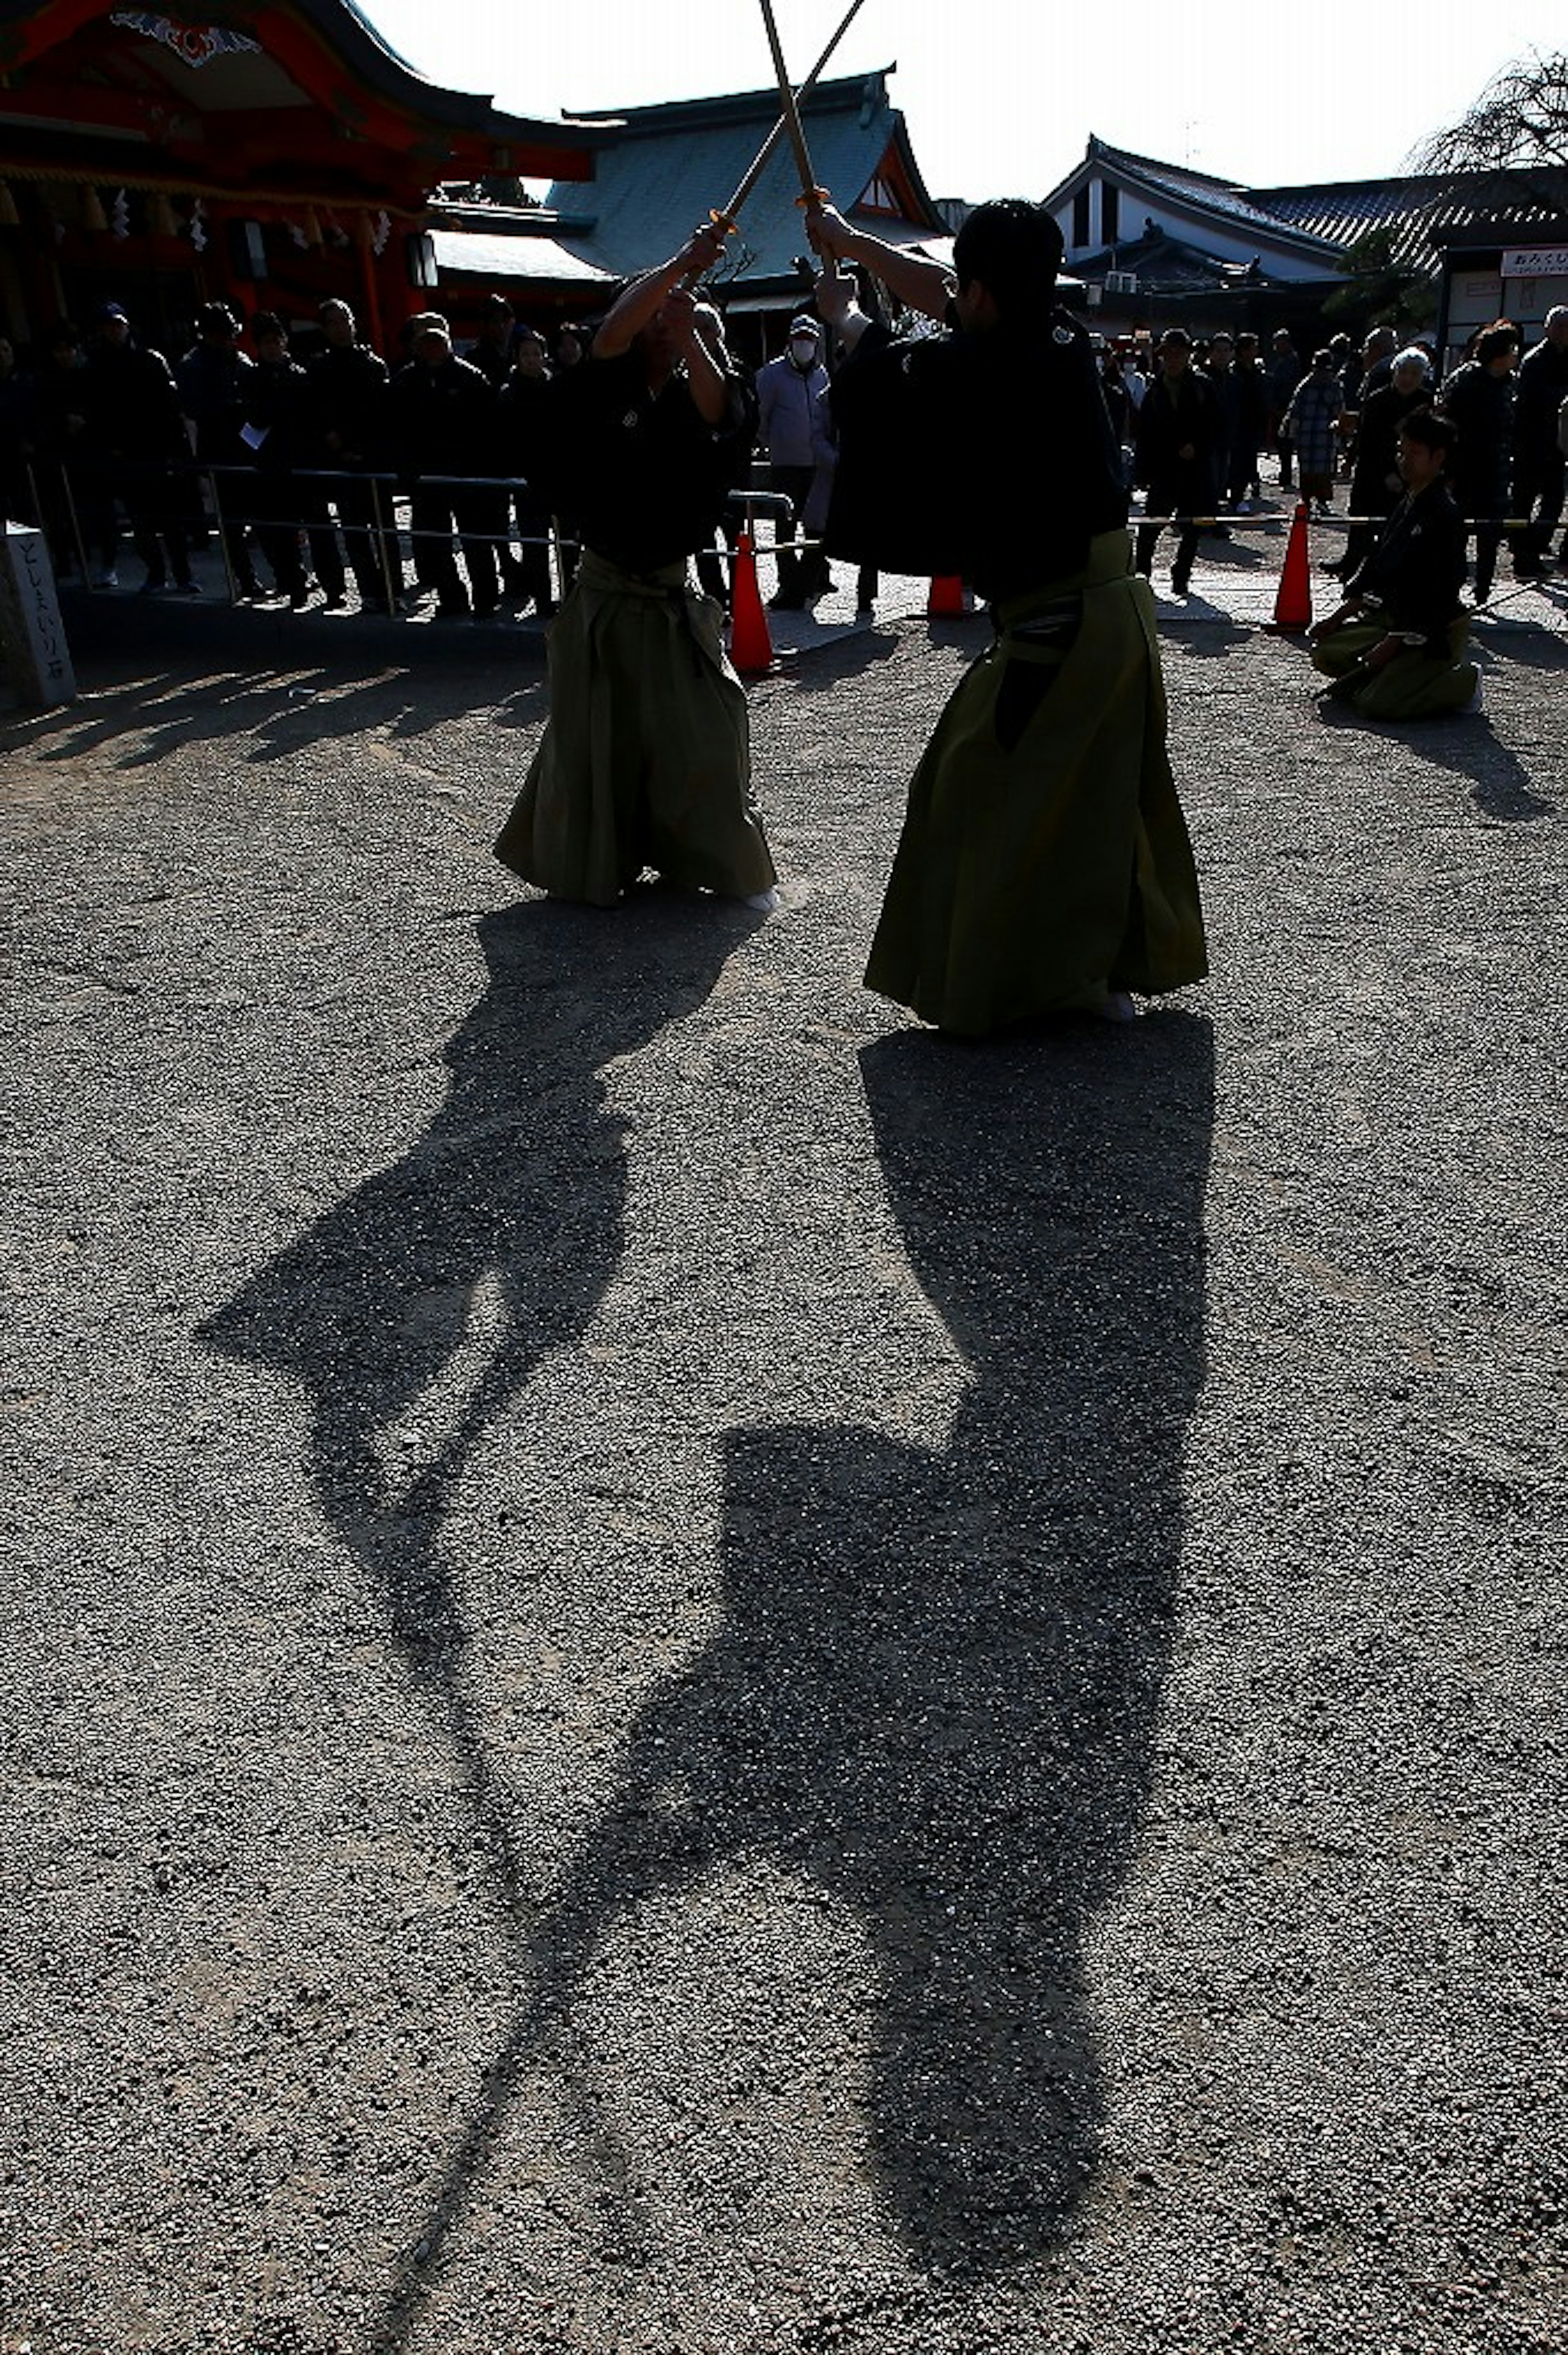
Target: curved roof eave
344, 28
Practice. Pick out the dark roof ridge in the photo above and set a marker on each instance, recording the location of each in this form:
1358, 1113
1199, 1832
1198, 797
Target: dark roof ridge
1102, 148
729, 106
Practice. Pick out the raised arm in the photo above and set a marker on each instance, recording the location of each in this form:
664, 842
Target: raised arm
922, 284
636, 304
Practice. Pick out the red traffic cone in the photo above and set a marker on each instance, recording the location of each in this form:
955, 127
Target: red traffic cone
947, 596
1293, 603
750, 647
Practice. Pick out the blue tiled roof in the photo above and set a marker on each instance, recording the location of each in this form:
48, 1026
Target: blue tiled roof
667, 167
1422, 211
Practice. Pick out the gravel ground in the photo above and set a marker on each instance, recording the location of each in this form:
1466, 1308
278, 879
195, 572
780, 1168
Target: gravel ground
684, 1670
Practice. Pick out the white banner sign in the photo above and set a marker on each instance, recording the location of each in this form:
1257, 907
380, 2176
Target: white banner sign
1536, 261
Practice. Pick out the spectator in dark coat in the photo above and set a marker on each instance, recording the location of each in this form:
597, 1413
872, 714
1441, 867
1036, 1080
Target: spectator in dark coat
1377, 487
1284, 374
1538, 468
347, 425
526, 410
137, 436
211, 378
79, 524
1178, 435
17, 436
495, 348
1479, 396
1251, 424
275, 416
443, 434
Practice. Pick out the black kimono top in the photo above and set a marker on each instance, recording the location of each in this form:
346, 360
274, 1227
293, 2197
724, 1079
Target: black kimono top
1414, 575
644, 476
990, 455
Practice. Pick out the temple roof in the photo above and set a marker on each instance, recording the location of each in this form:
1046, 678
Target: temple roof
258, 87
669, 165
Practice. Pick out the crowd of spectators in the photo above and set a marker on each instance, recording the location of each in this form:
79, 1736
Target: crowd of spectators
1196, 415
300, 457
296, 459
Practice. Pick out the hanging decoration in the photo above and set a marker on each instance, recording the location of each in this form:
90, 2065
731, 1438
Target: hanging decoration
193, 45
94, 216
298, 235
381, 230
161, 219
120, 215
312, 227
199, 226
9, 216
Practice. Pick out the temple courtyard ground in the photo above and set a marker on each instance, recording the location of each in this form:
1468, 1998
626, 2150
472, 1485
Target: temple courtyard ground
687, 1671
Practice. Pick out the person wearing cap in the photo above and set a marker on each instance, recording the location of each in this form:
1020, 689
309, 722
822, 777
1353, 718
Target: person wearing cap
1043, 867
645, 760
795, 436
136, 436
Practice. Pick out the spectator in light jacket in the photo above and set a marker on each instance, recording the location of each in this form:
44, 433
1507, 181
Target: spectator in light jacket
795, 435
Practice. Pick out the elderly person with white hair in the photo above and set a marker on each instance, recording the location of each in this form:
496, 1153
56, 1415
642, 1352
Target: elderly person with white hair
1538, 462
1375, 487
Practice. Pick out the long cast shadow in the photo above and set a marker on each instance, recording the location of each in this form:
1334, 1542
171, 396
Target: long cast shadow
934, 1687
509, 1207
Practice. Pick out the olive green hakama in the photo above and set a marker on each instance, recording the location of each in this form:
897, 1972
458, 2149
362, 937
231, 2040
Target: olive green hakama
1414, 685
1045, 857
645, 759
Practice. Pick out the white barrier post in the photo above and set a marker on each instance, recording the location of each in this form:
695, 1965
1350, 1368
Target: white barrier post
33, 647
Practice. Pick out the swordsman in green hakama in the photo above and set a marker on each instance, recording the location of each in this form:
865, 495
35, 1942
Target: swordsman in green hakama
645, 760
1045, 865
1395, 647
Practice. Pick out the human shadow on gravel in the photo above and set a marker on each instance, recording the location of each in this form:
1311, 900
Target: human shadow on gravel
1501, 785
417, 1308
933, 1690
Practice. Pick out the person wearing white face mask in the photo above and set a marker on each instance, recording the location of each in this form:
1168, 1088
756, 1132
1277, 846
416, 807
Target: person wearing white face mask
795, 435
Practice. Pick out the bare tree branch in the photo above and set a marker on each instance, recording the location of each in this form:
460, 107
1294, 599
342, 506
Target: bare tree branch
1520, 122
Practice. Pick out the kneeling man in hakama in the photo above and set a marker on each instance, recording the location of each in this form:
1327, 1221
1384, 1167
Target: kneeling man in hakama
1395, 647
1045, 866
645, 760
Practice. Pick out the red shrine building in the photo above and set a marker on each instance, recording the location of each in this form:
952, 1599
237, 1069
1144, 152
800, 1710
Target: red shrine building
275, 152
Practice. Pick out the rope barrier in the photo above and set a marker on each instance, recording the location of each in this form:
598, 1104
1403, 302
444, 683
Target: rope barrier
100, 480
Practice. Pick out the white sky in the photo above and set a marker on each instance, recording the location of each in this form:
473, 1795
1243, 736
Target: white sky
1001, 95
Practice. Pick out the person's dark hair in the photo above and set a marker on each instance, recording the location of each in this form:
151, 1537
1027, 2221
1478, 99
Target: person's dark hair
218, 319
1433, 432
1014, 248
496, 306
1492, 342
266, 323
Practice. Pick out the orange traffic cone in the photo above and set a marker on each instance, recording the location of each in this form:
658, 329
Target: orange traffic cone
750, 647
1293, 603
947, 596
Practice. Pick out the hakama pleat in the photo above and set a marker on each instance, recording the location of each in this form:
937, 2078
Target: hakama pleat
1044, 855
645, 759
